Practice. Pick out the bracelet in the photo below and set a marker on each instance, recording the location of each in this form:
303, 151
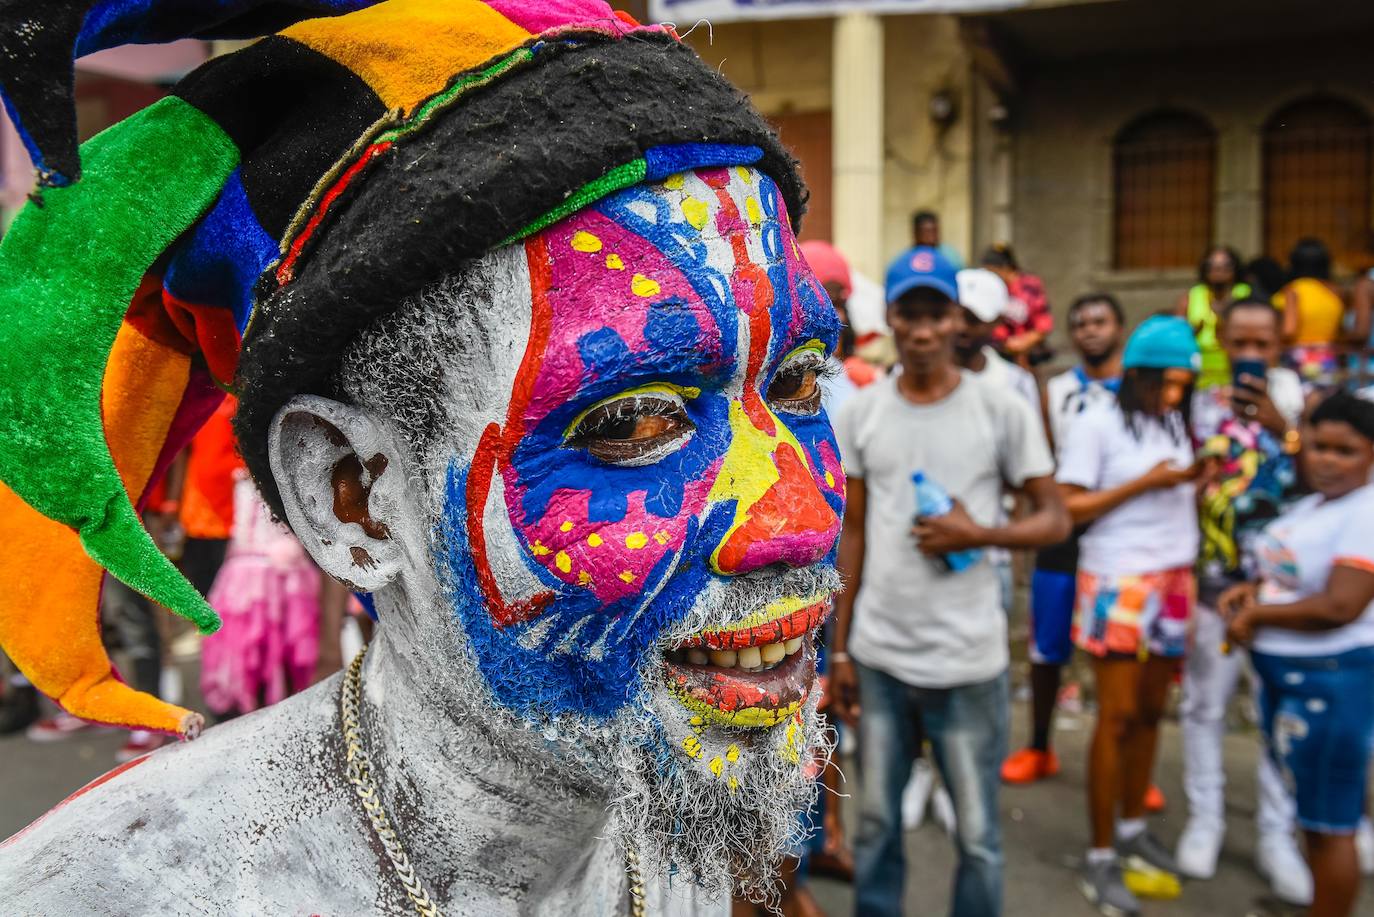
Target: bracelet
168, 507
839, 657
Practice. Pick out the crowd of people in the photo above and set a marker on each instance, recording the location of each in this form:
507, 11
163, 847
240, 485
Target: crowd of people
1195, 492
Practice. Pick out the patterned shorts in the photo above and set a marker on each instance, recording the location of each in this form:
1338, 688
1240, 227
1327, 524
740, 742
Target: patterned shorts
1143, 614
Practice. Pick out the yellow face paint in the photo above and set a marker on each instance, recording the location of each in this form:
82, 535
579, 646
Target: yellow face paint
745, 718
584, 241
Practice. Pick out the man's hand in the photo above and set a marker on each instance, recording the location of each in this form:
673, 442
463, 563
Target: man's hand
1251, 401
844, 691
954, 531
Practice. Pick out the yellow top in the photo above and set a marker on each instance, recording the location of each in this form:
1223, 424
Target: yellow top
1320, 311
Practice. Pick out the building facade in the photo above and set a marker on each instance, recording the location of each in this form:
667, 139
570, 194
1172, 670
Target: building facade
1110, 141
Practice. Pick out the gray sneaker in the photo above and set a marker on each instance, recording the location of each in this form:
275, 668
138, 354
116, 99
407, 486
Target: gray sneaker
1144, 853
1102, 885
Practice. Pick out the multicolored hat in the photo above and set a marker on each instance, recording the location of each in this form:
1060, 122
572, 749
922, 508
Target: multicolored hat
237, 234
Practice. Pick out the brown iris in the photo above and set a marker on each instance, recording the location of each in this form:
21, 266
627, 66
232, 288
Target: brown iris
630, 428
796, 389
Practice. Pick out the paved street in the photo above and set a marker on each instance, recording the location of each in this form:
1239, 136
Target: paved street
1044, 827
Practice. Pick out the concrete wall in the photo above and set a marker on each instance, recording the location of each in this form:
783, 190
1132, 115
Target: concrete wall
1069, 114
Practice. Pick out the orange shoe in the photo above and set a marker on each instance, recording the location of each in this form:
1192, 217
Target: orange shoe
1154, 799
1029, 765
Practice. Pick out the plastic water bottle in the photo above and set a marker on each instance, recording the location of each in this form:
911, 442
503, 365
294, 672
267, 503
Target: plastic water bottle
934, 500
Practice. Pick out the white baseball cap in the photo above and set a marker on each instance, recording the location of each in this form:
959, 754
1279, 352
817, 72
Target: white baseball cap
983, 293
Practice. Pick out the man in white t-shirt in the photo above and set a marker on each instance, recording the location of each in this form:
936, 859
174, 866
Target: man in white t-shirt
930, 645
1251, 430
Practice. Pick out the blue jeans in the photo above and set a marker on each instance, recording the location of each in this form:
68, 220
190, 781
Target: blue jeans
967, 728
1318, 716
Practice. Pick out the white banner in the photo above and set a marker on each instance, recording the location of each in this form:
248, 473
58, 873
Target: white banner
685, 12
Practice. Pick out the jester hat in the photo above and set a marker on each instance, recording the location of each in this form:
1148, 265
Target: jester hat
238, 234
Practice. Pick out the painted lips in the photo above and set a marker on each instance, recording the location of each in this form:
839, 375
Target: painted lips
754, 675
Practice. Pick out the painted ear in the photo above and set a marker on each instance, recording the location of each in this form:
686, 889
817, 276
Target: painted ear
342, 486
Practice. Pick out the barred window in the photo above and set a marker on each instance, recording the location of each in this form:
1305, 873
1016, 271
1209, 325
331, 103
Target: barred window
1164, 173
1317, 179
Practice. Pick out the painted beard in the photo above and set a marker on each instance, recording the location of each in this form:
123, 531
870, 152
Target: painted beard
719, 802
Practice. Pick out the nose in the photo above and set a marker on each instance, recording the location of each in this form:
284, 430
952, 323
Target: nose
790, 523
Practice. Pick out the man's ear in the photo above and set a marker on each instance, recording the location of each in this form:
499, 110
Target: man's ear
342, 487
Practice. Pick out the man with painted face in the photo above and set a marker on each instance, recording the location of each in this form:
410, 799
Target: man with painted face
913, 639
549, 395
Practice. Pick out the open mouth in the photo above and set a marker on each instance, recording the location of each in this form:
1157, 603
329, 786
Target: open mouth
755, 673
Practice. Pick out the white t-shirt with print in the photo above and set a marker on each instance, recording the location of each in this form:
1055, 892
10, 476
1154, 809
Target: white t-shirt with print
913, 620
1154, 531
1296, 552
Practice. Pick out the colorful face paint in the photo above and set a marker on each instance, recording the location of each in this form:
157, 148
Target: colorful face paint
662, 443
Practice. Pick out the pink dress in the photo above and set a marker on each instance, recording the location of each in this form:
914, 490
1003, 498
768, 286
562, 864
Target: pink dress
268, 595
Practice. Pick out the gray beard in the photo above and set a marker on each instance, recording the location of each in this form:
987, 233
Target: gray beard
683, 822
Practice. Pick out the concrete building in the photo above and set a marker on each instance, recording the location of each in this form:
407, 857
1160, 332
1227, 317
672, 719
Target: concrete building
1110, 141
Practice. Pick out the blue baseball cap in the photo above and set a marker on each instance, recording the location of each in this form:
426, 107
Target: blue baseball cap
922, 266
1162, 342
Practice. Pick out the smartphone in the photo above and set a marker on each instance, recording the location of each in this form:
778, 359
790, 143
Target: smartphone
1255, 368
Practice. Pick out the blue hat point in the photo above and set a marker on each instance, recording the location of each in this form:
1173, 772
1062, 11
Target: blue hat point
922, 266
1162, 342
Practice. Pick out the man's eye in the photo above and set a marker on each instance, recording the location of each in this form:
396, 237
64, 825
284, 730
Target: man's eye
635, 430
796, 388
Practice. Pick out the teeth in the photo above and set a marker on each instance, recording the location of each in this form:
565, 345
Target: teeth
748, 659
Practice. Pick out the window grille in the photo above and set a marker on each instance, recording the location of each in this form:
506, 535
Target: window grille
1317, 167
1164, 174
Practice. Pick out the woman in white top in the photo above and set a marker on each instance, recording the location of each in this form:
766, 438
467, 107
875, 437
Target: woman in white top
1310, 624
1127, 467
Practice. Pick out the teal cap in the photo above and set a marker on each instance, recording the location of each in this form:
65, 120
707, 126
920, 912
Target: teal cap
1162, 342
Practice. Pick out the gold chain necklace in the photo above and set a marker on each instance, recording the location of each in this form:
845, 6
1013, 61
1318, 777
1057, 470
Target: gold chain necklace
358, 768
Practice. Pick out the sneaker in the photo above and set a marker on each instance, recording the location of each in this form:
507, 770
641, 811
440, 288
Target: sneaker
1154, 800
18, 708
1029, 765
56, 728
1102, 884
1364, 846
1280, 862
917, 794
1144, 853
140, 743
1198, 849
